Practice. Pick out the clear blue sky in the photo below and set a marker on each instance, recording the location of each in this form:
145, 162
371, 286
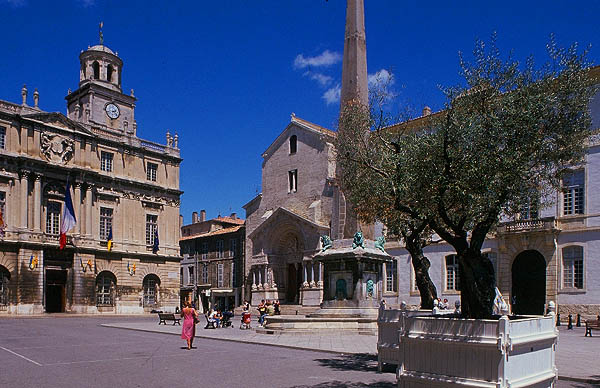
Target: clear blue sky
226, 75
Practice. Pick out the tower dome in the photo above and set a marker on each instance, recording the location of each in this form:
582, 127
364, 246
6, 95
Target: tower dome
99, 64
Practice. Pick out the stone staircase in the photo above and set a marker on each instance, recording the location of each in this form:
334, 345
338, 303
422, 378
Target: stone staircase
286, 309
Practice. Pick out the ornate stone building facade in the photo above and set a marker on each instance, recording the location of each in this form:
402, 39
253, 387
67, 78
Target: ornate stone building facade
122, 186
213, 258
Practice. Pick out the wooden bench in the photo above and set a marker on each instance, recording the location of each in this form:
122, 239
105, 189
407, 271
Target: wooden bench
210, 324
163, 318
591, 324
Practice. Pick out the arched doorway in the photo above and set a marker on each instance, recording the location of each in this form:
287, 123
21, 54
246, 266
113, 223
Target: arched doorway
150, 285
287, 264
528, 283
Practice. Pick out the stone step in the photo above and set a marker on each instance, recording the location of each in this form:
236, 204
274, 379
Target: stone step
286, 309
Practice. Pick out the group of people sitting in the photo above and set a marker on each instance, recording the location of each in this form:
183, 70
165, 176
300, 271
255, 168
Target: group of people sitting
219, 319
267, 308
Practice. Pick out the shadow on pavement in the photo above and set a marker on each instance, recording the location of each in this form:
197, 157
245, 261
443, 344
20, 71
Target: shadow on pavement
347, 384
361, 361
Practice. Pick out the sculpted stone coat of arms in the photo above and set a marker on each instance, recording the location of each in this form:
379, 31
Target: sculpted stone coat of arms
57, 148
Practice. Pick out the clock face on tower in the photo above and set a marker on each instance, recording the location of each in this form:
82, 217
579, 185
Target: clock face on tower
112, 110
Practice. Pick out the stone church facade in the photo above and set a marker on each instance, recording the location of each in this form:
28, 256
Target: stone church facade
120, 184
550, 254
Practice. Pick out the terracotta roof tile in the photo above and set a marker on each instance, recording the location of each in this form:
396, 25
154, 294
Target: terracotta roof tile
213, 233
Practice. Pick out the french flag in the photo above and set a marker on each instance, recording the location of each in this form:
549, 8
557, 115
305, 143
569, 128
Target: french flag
68, 219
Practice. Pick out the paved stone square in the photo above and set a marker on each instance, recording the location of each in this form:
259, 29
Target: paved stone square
55, 351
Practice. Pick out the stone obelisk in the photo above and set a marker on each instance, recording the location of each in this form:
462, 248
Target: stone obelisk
344, 223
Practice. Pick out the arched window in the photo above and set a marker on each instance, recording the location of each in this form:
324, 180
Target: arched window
293, 144
4, 278
150, 284
105, 289
96, 68
109, 73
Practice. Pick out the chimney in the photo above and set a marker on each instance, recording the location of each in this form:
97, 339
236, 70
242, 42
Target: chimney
233, 215
202, 215
426, 111
194, 217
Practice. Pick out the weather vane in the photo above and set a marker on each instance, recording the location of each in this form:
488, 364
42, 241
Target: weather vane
100, 33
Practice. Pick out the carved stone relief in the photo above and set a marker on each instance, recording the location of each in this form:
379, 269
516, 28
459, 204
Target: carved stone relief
56, 148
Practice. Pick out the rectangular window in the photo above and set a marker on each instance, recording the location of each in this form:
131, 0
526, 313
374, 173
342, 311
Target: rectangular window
151, 227
529, 210
573, 267
53, 218
106, 161
219, 248
232, 247
220, 275
204, 251
190, 275
233, 275
151, 170
2, 137
452, 280
106, 218
292, 181
181, 276
205, 274
391, 284
3, 207
494, 259
573, 193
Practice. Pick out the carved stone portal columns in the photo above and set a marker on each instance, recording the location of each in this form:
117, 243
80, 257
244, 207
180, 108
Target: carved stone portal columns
312, 274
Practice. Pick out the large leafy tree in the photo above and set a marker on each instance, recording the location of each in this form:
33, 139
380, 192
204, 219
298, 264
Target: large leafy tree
506, 134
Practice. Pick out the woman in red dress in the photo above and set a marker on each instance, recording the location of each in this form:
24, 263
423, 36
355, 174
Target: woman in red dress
188, 330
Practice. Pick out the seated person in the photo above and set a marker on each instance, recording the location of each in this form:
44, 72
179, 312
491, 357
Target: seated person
270, 308
212, 317
262, 311
218, 318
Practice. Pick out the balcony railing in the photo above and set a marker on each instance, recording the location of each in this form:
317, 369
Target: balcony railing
538, 224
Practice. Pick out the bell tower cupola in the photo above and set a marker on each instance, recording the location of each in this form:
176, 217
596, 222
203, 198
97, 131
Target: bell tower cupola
101, 65
99, 102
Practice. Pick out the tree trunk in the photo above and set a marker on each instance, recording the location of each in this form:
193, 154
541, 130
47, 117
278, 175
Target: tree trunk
421, 266
477, 284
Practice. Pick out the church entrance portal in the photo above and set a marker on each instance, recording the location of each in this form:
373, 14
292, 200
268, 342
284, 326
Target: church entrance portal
56, 285
293, 284
529, 283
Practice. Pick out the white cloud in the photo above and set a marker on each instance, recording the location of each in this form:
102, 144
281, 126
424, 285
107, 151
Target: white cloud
381, 78
322, 79
332, 95
326, 58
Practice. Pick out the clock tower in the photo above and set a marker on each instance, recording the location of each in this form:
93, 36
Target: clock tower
99, 101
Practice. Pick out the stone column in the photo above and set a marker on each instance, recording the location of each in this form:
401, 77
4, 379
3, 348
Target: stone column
253, 270
260, 279
77, 207
37, 203
312, 274
383, 278
88, 210
305, 274
320, 283
24, 188
265, 284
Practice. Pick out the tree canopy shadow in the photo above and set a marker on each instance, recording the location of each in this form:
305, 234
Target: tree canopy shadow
356, 362
348, 384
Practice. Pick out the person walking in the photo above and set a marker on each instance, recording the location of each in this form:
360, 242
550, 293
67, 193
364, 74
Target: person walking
188, 329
